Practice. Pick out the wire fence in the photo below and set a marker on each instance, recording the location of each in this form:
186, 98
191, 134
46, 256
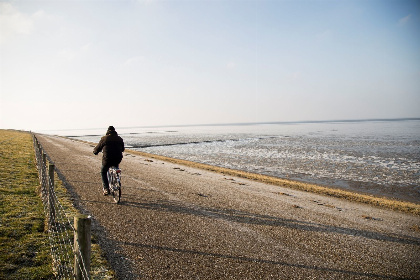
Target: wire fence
67, 260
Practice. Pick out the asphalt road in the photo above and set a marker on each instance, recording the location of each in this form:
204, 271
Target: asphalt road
176, 222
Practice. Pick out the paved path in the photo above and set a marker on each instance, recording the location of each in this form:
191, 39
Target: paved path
177, 222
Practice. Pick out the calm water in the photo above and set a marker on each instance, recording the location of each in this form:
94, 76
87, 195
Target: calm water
377, 157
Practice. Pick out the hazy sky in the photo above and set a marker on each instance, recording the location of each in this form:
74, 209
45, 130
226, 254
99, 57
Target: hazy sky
90, 64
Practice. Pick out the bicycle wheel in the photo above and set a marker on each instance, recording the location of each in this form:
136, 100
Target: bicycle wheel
116, 191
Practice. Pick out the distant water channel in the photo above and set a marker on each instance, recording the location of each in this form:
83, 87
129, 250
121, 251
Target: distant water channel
374, 157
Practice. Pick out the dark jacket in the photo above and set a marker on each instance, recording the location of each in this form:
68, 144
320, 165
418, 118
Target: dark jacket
112, 147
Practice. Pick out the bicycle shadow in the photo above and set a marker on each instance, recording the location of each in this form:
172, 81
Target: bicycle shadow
237, 216
117, 260
344, 273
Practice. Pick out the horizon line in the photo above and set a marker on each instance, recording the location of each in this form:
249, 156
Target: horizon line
251, 123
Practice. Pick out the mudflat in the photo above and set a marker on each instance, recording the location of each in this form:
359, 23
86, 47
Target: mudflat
180, 222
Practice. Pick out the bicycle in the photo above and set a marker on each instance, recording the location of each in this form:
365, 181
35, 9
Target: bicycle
114, 181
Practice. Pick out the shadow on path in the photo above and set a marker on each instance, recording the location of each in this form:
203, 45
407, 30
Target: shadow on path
119, 262
265, 220
260, 261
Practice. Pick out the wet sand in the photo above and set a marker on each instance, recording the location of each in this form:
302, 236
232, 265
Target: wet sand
180, 222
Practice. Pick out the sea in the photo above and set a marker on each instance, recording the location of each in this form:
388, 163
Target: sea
377, 157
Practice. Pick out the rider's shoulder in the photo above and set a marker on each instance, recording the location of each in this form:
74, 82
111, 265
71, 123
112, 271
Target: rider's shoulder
111, 138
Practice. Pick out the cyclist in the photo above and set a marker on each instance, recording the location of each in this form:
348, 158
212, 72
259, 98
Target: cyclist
112, 146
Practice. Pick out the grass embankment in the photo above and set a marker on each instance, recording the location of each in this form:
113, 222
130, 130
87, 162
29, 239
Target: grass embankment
24, 244
24, 247
387, 203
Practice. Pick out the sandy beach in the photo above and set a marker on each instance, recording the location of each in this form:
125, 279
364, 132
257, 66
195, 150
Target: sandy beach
181, 222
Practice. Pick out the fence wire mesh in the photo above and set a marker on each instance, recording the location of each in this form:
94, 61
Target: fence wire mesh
61, 231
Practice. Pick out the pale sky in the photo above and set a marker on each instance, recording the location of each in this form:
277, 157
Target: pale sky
90, 64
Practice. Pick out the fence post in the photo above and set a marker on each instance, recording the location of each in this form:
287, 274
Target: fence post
51, 173
50, 186
44, 158
82, 247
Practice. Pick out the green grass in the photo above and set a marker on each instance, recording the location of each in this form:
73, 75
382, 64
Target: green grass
24, 244
24, 247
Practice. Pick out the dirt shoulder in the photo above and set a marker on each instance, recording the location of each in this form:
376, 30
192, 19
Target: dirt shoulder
181, 222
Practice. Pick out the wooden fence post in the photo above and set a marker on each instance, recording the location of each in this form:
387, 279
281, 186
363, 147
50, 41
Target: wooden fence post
50, 187
82, 246
44, 158
39, 164
51, 169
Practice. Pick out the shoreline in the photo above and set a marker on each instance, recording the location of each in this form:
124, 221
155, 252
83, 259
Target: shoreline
383, 202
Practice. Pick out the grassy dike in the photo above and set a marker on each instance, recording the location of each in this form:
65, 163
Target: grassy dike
24, 244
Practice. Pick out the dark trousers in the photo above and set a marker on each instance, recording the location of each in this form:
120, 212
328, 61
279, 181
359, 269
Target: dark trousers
104, 171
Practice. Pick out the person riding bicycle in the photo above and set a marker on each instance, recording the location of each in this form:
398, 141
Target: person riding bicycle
112, 146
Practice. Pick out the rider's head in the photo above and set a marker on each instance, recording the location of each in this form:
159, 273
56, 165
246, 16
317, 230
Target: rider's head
110, 128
